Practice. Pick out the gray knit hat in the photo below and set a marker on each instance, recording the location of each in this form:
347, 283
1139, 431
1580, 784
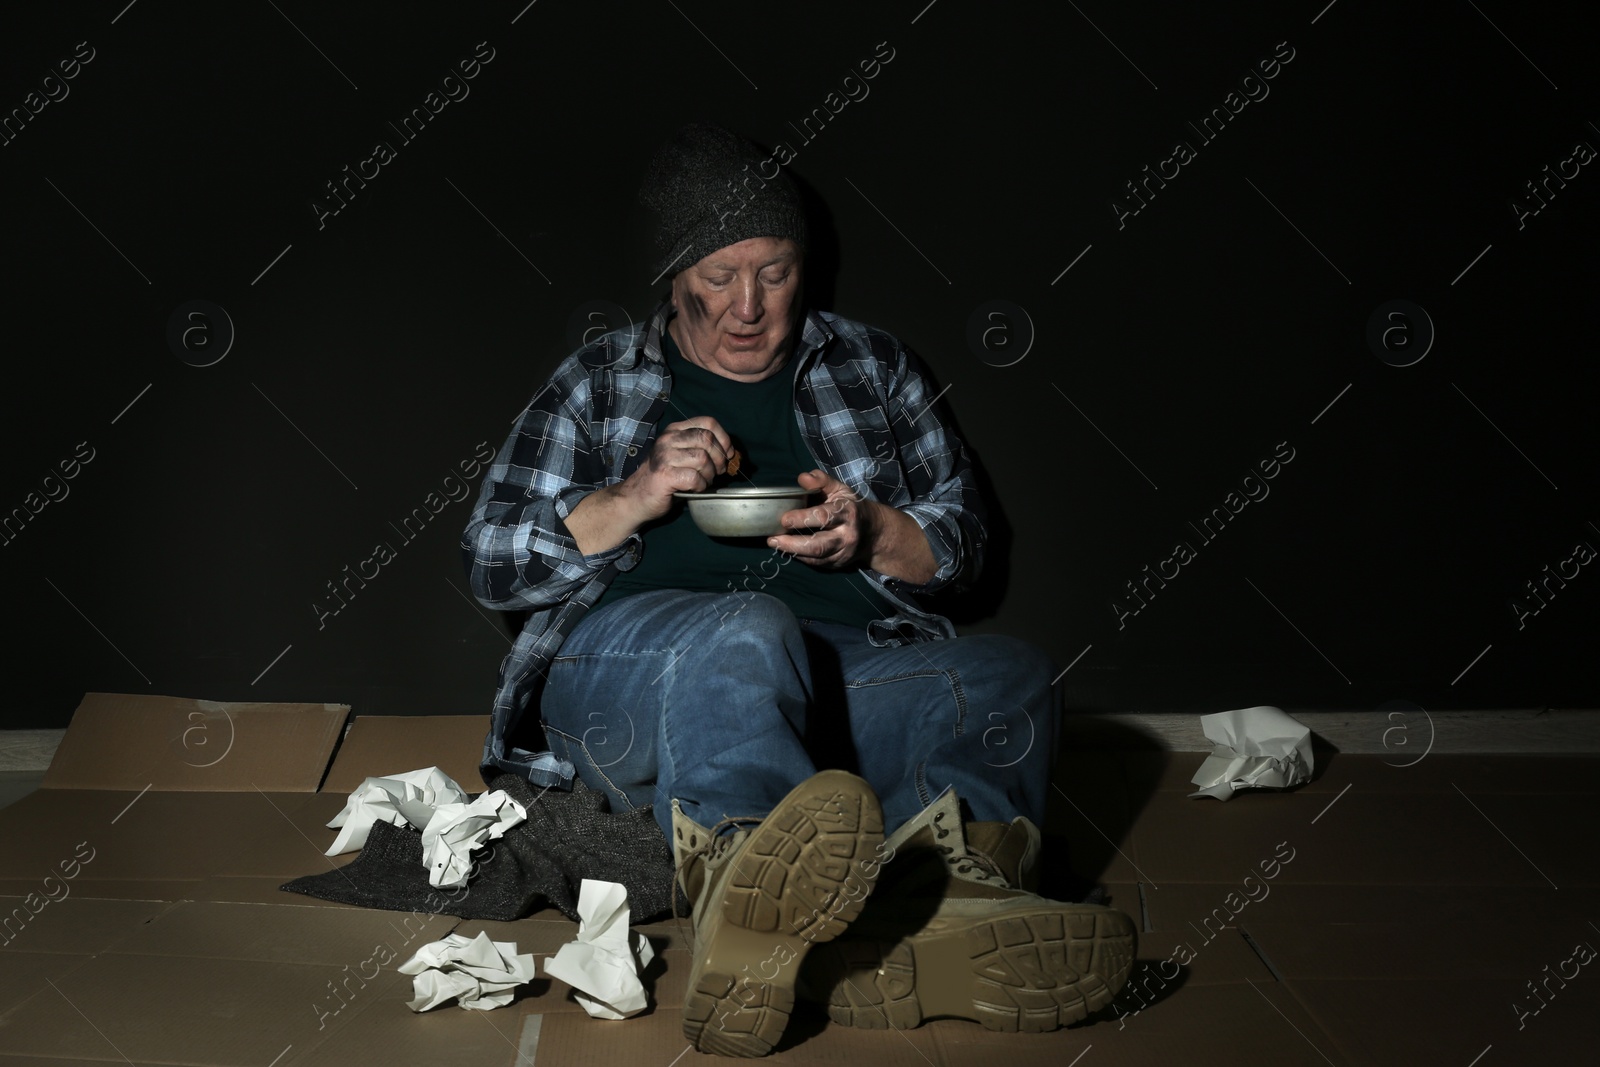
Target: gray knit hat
707, 190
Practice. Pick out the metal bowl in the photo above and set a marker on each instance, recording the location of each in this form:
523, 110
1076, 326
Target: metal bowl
745, 510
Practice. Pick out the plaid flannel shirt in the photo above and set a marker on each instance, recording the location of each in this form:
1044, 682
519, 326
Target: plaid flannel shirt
864, 411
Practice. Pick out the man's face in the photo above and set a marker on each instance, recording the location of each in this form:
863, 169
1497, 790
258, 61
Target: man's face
738, 308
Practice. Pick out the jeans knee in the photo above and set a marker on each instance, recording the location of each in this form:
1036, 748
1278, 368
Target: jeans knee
1009, 663
754, 618
1030, 662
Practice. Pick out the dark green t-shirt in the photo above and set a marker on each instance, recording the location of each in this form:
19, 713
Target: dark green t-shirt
760, 417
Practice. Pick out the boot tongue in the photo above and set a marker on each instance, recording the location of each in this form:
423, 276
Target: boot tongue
697, 850
915, 856
1012, 848
929, 857
937, 824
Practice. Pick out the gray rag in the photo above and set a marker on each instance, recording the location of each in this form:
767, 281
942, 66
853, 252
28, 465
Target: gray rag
568, 836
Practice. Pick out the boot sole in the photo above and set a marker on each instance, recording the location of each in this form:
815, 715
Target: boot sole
803, 877
1030, 970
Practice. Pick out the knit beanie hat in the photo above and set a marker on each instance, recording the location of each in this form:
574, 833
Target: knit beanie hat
707, 191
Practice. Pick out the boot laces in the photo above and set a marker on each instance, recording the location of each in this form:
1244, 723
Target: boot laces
716, 842
972, 863
710, 848
984, 867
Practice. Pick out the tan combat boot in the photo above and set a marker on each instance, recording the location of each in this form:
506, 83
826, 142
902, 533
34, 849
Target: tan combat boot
762, 896
950, 931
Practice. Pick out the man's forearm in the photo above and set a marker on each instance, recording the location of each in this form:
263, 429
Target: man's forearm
601, 521
899, 547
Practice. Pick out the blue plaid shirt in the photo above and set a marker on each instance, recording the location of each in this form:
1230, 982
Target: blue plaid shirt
865, 413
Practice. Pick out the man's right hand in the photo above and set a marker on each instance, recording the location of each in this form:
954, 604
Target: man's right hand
685, 457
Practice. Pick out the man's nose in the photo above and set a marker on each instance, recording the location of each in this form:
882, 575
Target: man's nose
747, 302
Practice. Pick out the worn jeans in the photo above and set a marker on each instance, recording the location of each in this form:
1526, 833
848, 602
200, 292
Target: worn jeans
726, 702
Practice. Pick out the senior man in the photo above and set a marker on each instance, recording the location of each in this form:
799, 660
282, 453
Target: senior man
782, 701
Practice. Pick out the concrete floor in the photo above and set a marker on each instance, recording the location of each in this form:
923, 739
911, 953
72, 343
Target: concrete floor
14, 785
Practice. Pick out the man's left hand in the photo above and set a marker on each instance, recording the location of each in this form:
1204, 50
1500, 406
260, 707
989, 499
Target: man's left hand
842, 527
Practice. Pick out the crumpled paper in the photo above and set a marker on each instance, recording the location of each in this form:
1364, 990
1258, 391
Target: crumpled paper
1256, 748
430, 800
397, 799
479, 973
456, 829
602, 966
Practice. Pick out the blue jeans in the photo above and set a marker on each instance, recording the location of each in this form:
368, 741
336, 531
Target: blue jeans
725, 701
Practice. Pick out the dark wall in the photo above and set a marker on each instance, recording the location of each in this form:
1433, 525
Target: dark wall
1147, 359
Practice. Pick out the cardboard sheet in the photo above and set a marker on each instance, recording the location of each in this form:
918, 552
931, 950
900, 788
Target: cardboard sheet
377, 745
186, 954
135, 742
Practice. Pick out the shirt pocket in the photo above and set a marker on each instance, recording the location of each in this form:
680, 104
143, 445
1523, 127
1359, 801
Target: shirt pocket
620, 459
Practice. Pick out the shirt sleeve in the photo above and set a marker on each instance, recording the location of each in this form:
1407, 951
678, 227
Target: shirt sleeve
945, 500
518, 552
